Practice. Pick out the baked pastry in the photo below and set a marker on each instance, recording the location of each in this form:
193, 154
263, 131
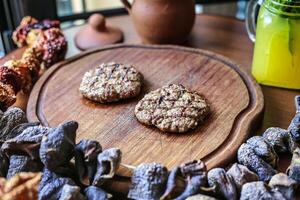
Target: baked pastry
111, 82
172, 108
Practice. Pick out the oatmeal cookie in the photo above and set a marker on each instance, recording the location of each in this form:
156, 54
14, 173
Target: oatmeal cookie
172, 108
111, 82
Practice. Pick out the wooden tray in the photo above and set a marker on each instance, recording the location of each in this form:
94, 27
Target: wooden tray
236, 101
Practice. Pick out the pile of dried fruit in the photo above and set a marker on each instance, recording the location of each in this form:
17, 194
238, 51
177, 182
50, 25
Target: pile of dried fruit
45, 44
78, 171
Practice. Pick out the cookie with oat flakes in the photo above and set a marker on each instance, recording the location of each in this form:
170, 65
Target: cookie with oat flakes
111, 82
172, 108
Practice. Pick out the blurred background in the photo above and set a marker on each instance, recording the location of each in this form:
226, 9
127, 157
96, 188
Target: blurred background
75, 12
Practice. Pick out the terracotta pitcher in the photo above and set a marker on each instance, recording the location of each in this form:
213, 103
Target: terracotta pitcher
162, 21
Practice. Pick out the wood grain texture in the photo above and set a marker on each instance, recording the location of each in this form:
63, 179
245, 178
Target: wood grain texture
236, 101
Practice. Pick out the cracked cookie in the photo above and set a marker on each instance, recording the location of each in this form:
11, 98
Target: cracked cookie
111, 82
172, 108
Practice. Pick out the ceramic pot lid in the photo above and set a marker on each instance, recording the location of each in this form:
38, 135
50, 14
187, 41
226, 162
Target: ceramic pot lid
96, 33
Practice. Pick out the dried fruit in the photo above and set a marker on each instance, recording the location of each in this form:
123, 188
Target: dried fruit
194, 174
19, 164
28, 25
20, 34
285, 185
2, 183
53, 46
278, 138
71, 192
51, 185
294, 127
7, 96
200, 197
57, 147
4, 164
293, 170
193, 168
9, 120
192, 187
95, 193
241, 175
24, 72
22, 186
32, 60
86, 152
27, 143
259, 190
89, 148
247, 157
17, 130
10, 77
107, 164
263, 149
148, 182
172, 181
223, 183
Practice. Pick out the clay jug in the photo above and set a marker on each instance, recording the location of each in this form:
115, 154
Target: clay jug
162, 21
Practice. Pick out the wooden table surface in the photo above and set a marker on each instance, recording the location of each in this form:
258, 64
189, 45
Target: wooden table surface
226, 36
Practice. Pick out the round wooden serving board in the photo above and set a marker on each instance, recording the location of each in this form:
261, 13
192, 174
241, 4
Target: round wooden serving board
235, 98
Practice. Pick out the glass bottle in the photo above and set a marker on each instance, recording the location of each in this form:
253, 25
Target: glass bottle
276, 59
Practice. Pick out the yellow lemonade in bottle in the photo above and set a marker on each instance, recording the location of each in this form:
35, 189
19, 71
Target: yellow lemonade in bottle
276, 60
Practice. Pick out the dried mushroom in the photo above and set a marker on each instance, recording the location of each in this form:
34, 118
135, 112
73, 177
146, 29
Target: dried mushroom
57, 147
148, 182
9, 120
107, 164
95, 193
200, 197
247, 157
86, 152
285, 185
23, 186
259, 190
293, 170
278, 138
26, 143
223, 183
51, 185
263, 149
71, 192
241, 175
